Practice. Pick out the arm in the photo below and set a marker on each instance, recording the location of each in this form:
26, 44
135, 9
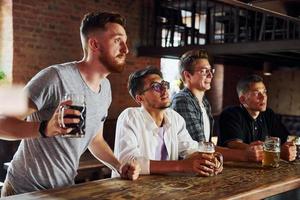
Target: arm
101, 150
232, 154
243, 152
10, 126
237, 144
197, 163
44, 91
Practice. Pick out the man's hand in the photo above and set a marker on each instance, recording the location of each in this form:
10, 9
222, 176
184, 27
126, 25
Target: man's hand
54, 126
219, 165
288, 151
130, 170
199, 163
255, 151
219, 168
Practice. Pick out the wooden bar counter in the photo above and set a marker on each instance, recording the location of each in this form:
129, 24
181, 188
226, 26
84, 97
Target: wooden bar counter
237, 181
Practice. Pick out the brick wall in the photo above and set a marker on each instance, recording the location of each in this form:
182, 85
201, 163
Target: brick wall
284, 91
232, 74
47, 32
283, 88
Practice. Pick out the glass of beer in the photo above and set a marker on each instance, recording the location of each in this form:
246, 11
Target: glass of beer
209, 148
271, 152
78, 103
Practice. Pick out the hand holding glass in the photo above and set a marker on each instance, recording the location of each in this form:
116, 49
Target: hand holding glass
209, 148
78, 103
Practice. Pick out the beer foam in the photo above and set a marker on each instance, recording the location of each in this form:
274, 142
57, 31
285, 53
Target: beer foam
272, 151
206, 151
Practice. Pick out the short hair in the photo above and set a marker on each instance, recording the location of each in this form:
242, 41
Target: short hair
96, 21
243, 85
136, 79
187, 60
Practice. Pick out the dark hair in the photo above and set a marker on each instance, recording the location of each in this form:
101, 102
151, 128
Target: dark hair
244, 84
136, 79
98, 20
188, 59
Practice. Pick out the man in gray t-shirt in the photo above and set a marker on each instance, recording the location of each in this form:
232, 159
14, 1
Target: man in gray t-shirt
44, 159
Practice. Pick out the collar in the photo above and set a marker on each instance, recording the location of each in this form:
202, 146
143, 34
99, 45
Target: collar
150, 123
246, 113
204, 100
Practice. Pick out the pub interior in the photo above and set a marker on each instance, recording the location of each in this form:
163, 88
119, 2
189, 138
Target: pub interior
244, 37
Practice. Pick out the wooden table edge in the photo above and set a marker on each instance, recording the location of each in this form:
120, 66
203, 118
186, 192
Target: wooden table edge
263, 192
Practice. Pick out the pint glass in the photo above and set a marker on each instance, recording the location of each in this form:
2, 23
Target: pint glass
209, 148
271, 152
78, 103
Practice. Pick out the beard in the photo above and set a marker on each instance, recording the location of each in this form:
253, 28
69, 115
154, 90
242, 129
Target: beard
112, 64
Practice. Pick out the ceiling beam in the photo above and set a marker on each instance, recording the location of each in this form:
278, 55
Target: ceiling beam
221, 49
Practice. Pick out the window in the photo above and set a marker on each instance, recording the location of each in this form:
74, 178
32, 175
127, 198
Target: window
169, 68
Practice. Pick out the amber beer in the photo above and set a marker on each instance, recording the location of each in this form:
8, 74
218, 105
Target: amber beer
271, 152
271, 158
209, 148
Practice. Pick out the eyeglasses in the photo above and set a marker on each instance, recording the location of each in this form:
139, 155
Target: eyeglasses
158, 87
205, 72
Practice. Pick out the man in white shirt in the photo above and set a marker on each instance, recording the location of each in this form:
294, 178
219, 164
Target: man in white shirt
154, 135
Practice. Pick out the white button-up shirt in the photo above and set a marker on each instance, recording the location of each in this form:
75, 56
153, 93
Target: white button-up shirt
136, 137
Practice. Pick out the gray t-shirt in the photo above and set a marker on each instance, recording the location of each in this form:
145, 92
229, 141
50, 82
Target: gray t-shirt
45, 163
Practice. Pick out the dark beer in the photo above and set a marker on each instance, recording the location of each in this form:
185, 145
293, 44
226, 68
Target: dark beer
79, 128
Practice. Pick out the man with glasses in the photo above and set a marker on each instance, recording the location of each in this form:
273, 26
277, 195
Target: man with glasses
193, 106
154, 135
191, 102
246, 126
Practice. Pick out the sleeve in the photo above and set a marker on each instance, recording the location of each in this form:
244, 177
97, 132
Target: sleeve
277, 127
230, 127
127, 145
186, 145
189, 113
44, 87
